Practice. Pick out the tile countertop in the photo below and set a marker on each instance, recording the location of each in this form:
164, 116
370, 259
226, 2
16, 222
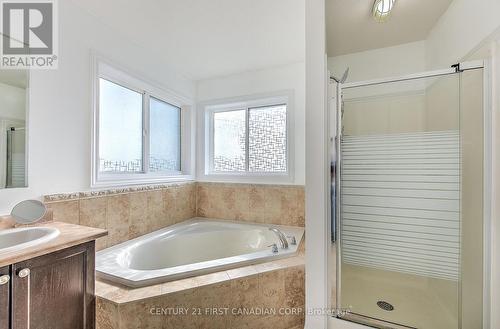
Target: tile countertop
70, 235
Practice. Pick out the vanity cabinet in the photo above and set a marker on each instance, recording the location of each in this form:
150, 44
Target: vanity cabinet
4, 297
54, 291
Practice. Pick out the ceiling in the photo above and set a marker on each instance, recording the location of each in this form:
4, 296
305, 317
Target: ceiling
351, 28
203, 39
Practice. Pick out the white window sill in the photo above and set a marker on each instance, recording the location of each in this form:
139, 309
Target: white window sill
248, 178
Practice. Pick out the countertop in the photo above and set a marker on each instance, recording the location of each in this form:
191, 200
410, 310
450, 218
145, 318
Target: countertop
70, 235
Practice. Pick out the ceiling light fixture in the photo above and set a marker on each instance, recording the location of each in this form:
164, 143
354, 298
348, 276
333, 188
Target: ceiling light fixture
382, 9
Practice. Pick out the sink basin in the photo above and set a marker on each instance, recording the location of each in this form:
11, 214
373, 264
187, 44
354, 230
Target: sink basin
20, 238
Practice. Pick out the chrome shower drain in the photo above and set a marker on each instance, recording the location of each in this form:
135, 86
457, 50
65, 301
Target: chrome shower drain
385, 305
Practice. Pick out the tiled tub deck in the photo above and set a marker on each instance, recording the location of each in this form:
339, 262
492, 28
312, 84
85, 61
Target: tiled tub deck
267, 295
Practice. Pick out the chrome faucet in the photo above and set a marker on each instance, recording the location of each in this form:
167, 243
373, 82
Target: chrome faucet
281, 237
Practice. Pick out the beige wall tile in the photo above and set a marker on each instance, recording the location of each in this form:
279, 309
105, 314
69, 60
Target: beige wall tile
138, 214
132, 214
65, 211
202, 200
255, 203
266, 290
294, 286
272, 288
156, 213
93, 214
246, 292
118, 218
106, 314
138, 315
301, 207
185, 202
169, 205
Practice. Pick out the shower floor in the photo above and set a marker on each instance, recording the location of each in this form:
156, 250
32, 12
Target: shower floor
420, 302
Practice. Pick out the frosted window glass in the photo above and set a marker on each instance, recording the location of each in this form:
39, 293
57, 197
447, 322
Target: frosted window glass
229, 141
267, 142
165, 136
120, 128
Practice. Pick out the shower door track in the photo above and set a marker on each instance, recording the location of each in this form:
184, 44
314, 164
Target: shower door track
369, 321
455, 69
428, 74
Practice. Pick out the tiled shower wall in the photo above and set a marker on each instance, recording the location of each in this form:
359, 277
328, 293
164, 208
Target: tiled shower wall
129, 213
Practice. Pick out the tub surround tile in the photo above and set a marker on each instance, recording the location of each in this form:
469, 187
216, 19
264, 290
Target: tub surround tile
272, 288
157, 216
241, 272
203, 293
138, 316
67, 211
117, 218
185, 202
138, 214
245, 293
169, 205
121, 294
107, 316
294, 287
210, 278
126, 213
300, 326
93, 214
131, 212
270, 204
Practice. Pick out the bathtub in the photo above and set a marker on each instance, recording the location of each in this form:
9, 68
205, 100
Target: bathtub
193, 247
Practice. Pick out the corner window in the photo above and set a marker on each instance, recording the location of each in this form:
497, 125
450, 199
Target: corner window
138, 131
248, 139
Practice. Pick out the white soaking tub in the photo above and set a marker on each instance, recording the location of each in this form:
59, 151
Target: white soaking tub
190, 248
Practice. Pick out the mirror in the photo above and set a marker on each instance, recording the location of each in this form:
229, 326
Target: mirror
28, 211
13, 125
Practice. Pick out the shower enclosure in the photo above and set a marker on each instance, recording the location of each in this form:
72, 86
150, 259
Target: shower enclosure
409, 201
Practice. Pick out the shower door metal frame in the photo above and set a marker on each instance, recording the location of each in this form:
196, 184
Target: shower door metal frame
455, 69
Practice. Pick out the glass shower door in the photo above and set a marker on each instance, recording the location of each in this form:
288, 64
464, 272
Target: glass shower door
411, 191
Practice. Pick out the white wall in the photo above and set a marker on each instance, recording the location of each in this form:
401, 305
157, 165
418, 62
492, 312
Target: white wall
379, 63
495, 225
60, 104
460, 30
13, 102
317, 167
278, 79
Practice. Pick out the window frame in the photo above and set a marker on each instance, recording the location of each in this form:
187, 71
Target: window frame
206, 142
106, 70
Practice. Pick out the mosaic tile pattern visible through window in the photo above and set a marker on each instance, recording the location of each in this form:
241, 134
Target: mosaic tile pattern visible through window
229, 141
267, 140
155, 164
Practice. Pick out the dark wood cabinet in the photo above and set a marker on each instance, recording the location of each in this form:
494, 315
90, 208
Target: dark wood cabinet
5, 297
54, 291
